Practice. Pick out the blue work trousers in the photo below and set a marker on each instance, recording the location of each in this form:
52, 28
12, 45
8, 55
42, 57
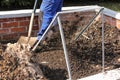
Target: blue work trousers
49, 8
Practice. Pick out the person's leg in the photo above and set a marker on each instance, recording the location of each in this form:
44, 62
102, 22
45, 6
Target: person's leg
49, 9
45, 8
59, 8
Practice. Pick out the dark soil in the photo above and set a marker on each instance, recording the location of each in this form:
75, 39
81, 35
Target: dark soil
85, 54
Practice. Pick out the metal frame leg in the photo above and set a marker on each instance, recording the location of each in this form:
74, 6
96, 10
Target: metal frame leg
103, 48
64, 47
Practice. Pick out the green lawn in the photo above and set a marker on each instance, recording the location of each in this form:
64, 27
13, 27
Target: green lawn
111, 5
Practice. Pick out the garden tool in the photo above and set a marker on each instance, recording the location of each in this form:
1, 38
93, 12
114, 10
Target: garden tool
29, 40
88, 25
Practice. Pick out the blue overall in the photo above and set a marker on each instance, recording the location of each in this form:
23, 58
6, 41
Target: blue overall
49, 9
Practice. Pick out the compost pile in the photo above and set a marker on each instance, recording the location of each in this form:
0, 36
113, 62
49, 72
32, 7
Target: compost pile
48, 61
15, 63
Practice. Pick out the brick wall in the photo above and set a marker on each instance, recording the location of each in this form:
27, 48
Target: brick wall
112, 21
13, 28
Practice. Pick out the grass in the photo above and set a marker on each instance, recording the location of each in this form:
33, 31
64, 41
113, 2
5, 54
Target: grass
109, 4
114, 5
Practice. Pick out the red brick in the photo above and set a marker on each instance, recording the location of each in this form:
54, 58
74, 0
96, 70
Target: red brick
24, 23
28, 18
10, 24
35, 22
113, 23
7, 20
36, 18
0, 38
17, 30
34, 33
108, 19
9, 37
10, 19
3, 20
35, 27
0, 25
23, 34
4, 31
21, 19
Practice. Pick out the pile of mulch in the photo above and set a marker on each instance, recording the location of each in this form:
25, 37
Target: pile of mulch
48, 61
15, 63
85, 55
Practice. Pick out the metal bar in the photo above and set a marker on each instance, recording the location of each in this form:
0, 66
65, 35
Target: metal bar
79, 10
45, 32
103, 48
89, 24
31, 20
34, 8
58, 13
64, 47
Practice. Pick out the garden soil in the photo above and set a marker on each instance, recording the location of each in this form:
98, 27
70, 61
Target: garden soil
48, 61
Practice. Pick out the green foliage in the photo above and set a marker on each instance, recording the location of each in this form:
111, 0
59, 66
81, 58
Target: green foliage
17, 4
28, 4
